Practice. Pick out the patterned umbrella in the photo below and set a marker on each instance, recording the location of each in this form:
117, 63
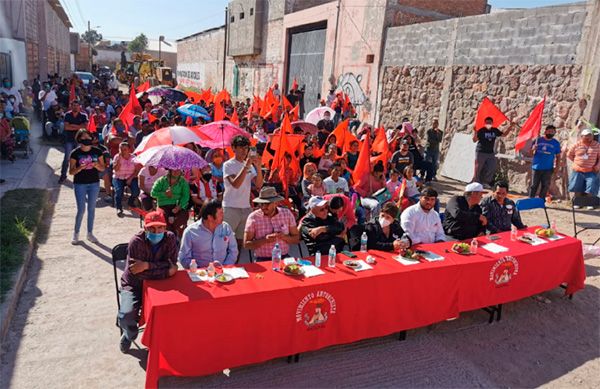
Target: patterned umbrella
221, 134
317, 114
195, 111
175, 135
172, 157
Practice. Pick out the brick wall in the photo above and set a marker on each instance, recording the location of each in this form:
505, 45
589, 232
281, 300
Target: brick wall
449, 7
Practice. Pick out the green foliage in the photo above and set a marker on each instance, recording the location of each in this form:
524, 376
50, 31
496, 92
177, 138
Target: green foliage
139, 44
92, 37
20, 213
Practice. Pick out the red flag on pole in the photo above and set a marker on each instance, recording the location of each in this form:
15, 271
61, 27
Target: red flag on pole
143, 87
219, 112
91, 127
234, 118
533, 125
488, 109
362, 170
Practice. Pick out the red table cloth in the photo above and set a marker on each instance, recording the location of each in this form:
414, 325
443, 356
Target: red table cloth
196, 329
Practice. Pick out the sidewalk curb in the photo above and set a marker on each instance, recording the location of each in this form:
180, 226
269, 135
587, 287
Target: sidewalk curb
12, 300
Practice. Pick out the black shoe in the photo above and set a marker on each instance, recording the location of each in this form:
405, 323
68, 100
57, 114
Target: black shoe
120, 213
124, 344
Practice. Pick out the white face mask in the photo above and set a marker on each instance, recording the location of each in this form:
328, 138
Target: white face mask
384, 222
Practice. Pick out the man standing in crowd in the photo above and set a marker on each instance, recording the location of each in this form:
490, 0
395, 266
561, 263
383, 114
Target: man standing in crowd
432, 149
402, 158
463, 217
325, 127
74, 120
421, 222
209, 239
270, 224
238, 174
546, 158
319, 229
47, 96
151, 255
500, 211
485, 155
585, 155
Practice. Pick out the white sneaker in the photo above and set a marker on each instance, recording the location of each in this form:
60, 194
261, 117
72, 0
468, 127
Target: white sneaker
589, 208
75, 239
91, 238
576, 207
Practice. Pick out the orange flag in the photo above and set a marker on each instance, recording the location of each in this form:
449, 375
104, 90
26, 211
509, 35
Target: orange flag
294, 84
362, 170
532, 127
234, 118
151, 117
91, 127
130, 109
488, 109
207, 96
295, 113
145, 86
380, 145
219, 112
343, 136
287, 106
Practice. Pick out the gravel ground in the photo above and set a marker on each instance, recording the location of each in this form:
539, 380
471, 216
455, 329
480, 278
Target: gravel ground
64, 333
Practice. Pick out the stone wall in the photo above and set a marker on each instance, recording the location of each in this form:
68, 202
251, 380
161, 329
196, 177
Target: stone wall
445, 68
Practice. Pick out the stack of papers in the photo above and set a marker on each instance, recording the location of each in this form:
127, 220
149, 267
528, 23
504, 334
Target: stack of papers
236, 272
406, 261
312, 271
195, 277
494, 248
363, 266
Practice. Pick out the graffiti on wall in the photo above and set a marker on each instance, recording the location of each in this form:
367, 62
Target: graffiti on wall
349, 83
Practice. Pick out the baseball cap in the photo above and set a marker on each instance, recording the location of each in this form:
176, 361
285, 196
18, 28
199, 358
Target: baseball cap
474, 187
316, 201
102, 104
586, 131
154, 218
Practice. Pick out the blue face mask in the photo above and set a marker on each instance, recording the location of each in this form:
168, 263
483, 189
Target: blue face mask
154, 237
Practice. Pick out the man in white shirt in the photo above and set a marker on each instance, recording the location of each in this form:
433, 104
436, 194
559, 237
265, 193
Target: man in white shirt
421, 222
11, 90
334, 183
238, 174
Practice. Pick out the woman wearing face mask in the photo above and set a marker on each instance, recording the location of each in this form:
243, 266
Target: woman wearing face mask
85, 164
204, 189
7, 139
172, 194
385, 234
125, 172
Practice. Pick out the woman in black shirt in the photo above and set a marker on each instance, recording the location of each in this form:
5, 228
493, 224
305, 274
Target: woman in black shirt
85, 163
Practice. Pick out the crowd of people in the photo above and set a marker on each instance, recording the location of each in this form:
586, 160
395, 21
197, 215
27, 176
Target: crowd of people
240, 201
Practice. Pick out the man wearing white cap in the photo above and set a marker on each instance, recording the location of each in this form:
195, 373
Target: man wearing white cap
463, 218
320, 229
585, 155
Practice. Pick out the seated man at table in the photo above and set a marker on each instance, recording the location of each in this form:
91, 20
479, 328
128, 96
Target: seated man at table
268, 225
386, 234
208, 239
151, 255
421, 222
500, 211
463, 217
319, 229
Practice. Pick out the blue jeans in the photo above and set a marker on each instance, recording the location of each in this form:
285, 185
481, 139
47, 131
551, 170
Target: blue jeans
129, 313
583, 182
86, 194
119, 186
70, 145
433, 156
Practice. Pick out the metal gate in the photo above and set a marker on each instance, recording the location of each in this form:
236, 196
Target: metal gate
305, 59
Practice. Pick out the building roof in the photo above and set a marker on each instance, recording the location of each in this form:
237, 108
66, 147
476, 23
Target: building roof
200, 33
60, 11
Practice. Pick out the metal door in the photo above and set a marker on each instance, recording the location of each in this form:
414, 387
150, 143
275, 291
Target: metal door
305, 59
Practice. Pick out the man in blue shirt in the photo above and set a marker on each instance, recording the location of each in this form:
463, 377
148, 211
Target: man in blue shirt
209, 239
545, 151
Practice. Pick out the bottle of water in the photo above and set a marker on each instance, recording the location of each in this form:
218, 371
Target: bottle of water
276, 257
332, 255
193, 266
318, 259
553, 226
474, 246
363, 242
513, 233
211, 272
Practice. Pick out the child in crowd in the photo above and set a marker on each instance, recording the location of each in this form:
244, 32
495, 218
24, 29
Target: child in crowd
317, 188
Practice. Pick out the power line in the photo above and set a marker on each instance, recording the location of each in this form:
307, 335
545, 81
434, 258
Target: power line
80, 13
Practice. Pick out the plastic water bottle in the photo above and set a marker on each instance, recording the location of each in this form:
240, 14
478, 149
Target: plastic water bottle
553, 226
513, 233
474, 246
211, 272
276, 257
318, 259
332, 255
193, 266
363, 242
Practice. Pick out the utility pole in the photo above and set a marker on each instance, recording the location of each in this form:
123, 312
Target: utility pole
225, 44
90, 45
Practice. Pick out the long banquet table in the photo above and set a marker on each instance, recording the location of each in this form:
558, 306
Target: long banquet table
195, 329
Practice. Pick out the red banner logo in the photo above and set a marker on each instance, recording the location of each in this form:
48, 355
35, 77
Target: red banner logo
315, 309
504, 270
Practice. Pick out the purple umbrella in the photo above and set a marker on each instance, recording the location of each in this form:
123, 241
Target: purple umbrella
172, 157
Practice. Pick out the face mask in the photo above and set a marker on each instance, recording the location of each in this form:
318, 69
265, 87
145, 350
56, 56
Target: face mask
207, 176
384, 222
549, 136
153, 237
488, 126
86, 142
11, 100
7, 85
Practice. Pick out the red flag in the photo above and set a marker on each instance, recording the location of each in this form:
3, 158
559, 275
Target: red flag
294, 84
400, 192
533, 125
72, 94
219, 112
91, 127
130, 109
295, 113
362, 170
234, 118
380, 145
207, 96
343, 136
144, 87
488, 109
346, 102
151, 117
286, 104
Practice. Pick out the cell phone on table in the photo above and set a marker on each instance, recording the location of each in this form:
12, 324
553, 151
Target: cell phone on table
494, 237
348, 254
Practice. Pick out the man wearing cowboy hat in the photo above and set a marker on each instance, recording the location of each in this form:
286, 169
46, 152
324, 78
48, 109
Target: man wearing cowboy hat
268, 225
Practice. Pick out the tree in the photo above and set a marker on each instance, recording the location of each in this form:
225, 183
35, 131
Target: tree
91, 37
138, 44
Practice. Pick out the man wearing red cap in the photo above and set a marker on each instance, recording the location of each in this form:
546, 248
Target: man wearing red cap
151, 255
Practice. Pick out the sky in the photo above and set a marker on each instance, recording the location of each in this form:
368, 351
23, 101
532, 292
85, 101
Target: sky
125, 19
